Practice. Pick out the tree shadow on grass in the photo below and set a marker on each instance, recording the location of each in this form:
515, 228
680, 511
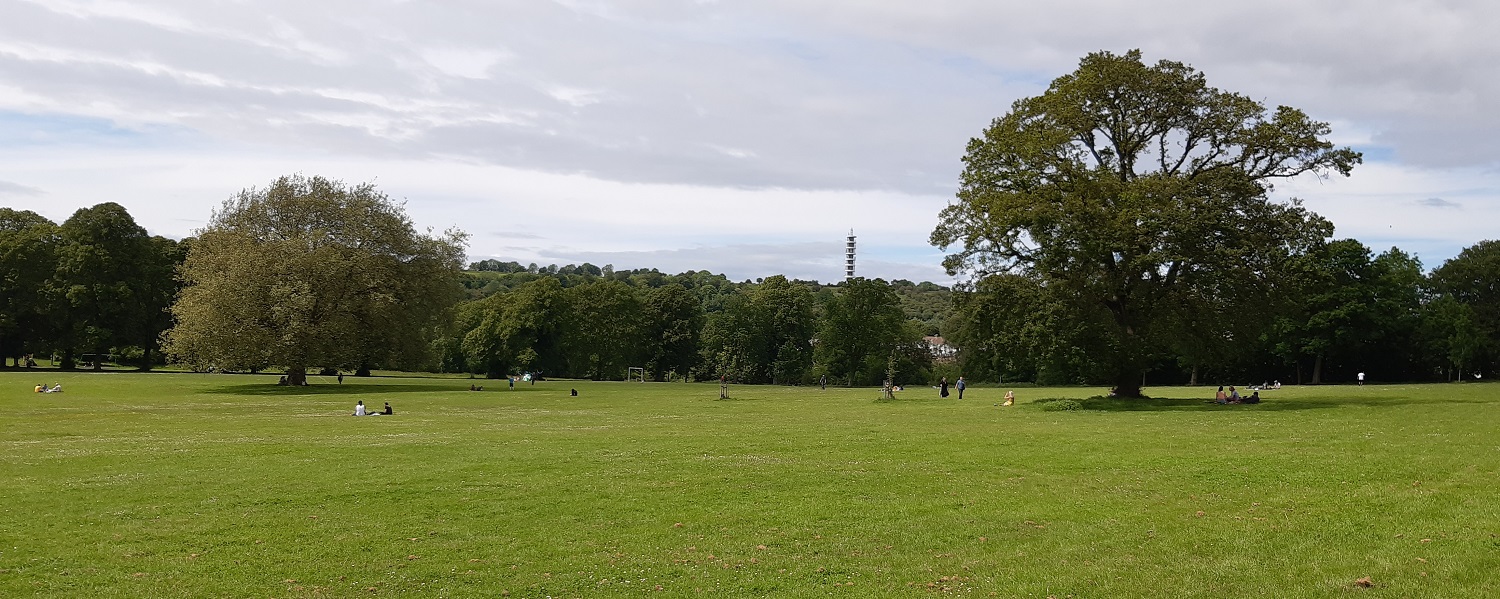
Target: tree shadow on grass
272, 390
1115, 404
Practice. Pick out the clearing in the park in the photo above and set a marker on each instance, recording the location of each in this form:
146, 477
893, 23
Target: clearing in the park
199, 485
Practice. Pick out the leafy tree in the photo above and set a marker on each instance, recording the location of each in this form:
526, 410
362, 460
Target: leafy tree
103, 284
863, 326
790, 326
1332, 306
159, 286
763, 333
28, 260
603, 334
298, 273
511, 332
733, 344
1123, 186
1471, 279
674, 320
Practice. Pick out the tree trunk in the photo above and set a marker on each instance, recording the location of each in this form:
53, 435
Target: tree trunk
363, 370
1128, 384
146, 358
1317, 377
296, 376
1299, 372
68, 363
1193, 379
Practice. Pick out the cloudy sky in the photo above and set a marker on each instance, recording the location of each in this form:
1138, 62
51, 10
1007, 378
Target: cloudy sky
742, 137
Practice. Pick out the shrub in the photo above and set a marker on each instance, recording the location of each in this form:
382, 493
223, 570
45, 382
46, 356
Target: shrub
1059, 405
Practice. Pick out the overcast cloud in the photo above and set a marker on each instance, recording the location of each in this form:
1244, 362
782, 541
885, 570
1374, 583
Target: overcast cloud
737, 137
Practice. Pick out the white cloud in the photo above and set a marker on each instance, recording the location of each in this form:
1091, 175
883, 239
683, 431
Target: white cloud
684, 126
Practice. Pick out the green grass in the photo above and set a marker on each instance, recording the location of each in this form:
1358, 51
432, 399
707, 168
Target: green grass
196, 485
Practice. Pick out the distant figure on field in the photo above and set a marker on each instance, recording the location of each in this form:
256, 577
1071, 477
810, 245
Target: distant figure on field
1010, 398
388, 411
573, 392
282, 382
40, 388
823, 383
55, 388
1275, 384
1361, 377
512, 381
1221, 396
960, 386
359, 408
943, 387
1234, 396
1254, 398
341, 378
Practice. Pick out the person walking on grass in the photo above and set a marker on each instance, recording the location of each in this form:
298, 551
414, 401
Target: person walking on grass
943, 387
960, 386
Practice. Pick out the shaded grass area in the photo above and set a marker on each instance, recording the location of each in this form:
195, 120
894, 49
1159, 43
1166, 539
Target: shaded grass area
192, 485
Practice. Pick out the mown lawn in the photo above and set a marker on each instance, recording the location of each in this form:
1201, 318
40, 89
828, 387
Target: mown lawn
195, 485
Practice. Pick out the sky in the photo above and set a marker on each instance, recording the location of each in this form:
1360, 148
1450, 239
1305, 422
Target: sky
739, 137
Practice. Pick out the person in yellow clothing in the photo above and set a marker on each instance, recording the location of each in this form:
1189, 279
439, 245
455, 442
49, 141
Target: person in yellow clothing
1010, 398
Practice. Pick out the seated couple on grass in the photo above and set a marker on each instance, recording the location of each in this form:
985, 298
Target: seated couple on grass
359, 410
43, 388
1233, 396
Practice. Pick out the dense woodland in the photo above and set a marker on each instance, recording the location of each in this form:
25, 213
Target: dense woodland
98, 284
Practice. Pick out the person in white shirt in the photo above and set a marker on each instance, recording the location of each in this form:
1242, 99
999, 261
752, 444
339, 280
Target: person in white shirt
1361, 378
359, 408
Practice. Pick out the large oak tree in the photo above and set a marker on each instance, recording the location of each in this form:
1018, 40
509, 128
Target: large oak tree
311, 272
1129, 192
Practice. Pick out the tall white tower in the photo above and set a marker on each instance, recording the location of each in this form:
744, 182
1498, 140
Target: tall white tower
849, 256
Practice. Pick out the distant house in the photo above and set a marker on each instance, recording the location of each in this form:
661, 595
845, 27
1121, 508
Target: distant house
939, 348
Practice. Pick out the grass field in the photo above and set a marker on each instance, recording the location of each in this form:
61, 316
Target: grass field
193, 485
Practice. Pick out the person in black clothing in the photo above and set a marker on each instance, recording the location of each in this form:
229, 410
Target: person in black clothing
388, 411
943, 387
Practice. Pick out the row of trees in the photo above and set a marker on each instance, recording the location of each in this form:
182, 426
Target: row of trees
96, 282
775, 331
1338, 310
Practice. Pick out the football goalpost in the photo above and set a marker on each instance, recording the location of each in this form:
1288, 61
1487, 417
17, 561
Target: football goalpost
635, 373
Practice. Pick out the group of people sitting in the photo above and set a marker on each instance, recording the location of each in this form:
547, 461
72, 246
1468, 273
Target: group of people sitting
1233, 396
359, 409
43, 388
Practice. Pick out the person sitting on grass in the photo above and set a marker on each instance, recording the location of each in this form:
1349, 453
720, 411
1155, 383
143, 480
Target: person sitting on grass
1254, 398
41, 388
1221, 397
359, 408
1234, 396
388, 411
1010, 398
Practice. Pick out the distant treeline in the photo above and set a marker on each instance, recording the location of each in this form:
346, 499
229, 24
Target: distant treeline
98, 287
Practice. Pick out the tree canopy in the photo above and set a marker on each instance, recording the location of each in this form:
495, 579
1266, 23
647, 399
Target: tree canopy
1126, 191
312, 272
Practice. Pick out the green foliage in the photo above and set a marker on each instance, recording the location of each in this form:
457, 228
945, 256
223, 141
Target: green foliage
1056, 404
603, 332
1470, 279
1126, 190
311, 272
865, 334
28, 260
762, 334
110, 282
